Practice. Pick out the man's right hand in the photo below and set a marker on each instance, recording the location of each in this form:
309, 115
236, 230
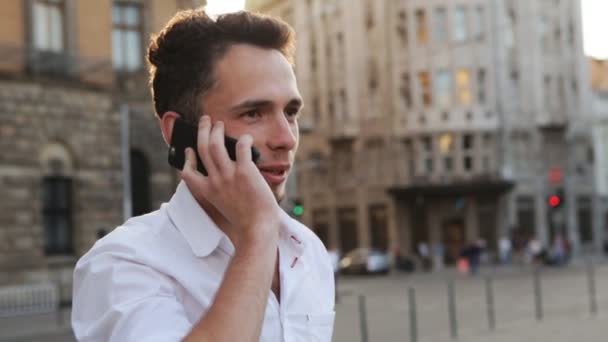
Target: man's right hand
239, 193
236, 189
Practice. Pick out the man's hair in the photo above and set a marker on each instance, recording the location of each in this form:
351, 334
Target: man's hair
183, 55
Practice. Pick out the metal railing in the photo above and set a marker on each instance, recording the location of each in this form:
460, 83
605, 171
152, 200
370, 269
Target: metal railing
28, 299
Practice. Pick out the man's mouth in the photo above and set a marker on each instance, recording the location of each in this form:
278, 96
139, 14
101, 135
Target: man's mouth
275, 174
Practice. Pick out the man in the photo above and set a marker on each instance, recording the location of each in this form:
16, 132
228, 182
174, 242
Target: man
221, 261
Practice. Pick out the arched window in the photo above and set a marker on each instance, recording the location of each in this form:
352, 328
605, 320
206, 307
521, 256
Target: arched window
140, 183
57, 170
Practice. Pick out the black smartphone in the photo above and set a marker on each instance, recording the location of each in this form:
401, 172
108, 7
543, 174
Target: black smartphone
185, 135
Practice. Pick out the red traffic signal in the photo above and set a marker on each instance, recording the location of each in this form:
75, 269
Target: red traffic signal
555, 201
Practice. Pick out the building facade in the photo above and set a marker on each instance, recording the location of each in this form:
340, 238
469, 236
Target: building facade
442, 122
599, 82
73, 89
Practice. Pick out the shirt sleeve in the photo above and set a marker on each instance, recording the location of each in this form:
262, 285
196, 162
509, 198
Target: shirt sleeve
119, 299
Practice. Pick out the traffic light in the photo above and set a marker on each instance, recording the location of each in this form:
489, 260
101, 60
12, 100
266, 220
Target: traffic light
556, 199
298, 208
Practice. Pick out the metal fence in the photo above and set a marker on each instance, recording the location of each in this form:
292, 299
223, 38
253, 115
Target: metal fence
28, 299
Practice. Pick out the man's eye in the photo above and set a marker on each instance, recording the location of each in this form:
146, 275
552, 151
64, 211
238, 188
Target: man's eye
252, 114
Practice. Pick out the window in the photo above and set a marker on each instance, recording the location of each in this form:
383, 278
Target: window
369, 15
467, 142
127, 52
468, 163
510, 29
427, 154
373, 76
478, 24
543, 29
402, 27
571, 33
48, 31
424, 80
56, 214
316, 108
320, 225
347, 229
56, 199
446, 143
548, 91
447, 164
460, 24
427, 143
140, 183
313, 56
441, 30
481, 86
378, 225
410, 157
422, 30
463, 81
343, 103
406, 94
443, 88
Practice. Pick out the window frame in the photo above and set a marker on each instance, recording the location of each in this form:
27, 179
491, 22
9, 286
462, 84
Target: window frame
53, 212
123, 28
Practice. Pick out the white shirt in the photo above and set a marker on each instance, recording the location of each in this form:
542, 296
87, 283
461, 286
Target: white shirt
154, 277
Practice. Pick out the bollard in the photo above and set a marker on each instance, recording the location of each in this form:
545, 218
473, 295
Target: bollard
591, 286
363, 318
452, 310
538, 295
490, 303
413, 318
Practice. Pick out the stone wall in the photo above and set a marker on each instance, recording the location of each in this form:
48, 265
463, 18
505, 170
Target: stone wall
32, 117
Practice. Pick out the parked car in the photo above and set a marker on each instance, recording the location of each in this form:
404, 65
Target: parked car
365, 261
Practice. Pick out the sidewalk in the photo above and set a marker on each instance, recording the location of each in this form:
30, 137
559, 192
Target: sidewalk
565, 306
563, 329
51, 327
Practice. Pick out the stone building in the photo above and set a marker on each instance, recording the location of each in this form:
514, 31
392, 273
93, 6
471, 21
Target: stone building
438, 121
73, 82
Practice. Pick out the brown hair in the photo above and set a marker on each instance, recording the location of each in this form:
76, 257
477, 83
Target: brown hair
182, 56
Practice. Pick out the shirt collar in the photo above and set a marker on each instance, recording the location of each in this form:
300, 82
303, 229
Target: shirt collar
204, 236
199, 230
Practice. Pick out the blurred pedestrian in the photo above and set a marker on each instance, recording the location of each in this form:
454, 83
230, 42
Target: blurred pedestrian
558, 250
504, 250
472, 252
534, 251
438, 256
423, 252
334, 257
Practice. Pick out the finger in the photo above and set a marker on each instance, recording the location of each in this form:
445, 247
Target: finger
243, 149
202, 144
217, 149
190, 173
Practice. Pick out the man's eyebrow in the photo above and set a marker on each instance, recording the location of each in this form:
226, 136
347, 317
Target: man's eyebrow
262, 103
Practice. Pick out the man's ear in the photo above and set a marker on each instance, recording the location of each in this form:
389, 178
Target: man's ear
166, 125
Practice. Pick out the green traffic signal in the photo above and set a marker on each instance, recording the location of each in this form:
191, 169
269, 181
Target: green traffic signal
298, 210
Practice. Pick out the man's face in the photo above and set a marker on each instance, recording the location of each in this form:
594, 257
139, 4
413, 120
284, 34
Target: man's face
256, 94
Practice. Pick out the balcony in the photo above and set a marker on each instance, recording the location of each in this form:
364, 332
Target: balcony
50, 63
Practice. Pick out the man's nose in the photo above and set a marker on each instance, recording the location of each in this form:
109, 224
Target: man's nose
282, 134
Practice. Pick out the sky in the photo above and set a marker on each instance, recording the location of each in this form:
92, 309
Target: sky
595, 23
